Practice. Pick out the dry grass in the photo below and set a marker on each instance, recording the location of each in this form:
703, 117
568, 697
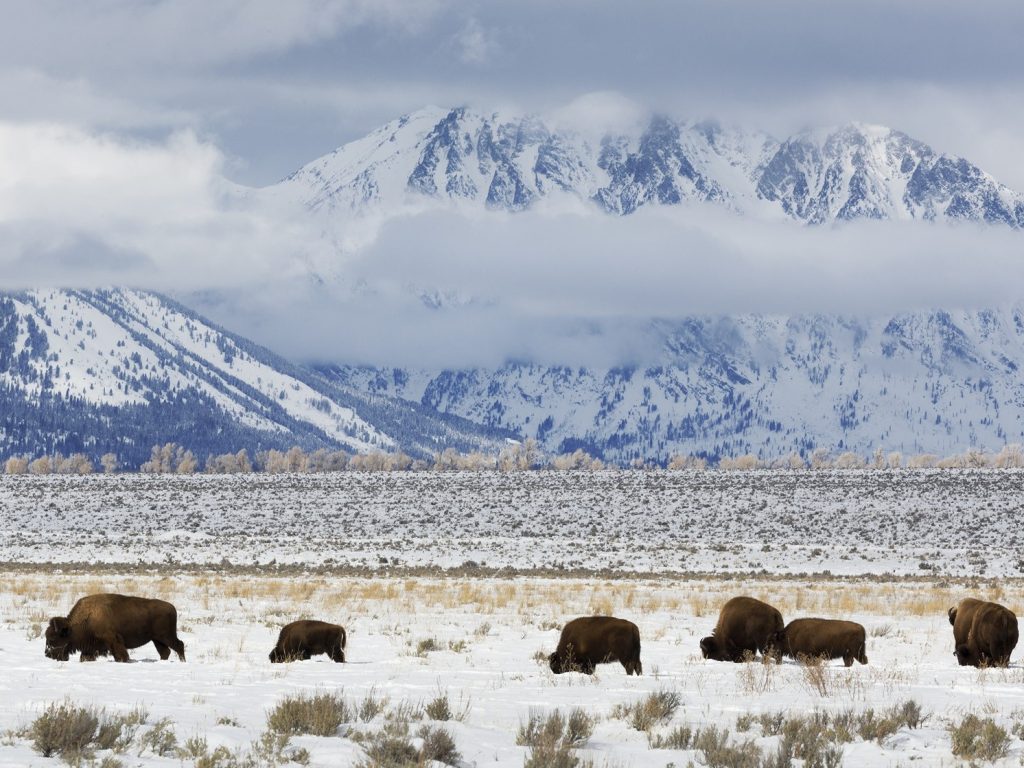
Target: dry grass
42, 595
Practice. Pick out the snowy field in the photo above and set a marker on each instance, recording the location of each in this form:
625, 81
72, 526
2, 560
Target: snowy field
475, 642
911, 523
453, 589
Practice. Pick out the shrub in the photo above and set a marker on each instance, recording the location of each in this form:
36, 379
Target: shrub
160, 739
680, 737
427, 645
439, 709
438, 745
319, 715
556, 728
371, 706
389, 747
64, 729
719, 753
117, 732
979, 739
653, 709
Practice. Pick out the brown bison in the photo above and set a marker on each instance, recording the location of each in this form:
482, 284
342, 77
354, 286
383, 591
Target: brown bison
745, 627
823, 638
102, 624
984, 633
591, 640
302, 639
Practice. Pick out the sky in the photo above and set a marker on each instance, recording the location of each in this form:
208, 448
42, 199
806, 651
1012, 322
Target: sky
125, 127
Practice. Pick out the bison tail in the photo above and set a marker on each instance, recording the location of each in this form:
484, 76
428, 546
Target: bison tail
344, 639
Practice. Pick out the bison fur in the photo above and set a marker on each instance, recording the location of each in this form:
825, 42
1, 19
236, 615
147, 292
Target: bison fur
302, 639
107, 623
804, 639
746, 626
591, 640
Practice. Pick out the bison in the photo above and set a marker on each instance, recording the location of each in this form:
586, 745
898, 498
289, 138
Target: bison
102, 624
745, 627
823, 638
591, 640
984, 633
302, 639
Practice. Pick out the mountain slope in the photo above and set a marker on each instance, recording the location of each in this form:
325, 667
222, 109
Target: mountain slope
121, 370
509, 162
928, 382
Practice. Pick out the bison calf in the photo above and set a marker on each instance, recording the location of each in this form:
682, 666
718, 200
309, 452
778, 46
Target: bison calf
102, 624
984, 633
591, 640
745, 627
823, 639
303, 639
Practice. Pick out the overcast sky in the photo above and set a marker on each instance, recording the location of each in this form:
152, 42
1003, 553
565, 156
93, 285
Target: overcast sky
122, 123
275, 84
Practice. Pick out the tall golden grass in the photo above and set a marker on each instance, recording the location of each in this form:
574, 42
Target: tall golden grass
33, 595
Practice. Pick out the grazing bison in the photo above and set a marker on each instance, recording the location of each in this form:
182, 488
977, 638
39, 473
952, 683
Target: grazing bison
961, 618
102, 624
745, 626
984, 633
591, 640
823, 638
302, 639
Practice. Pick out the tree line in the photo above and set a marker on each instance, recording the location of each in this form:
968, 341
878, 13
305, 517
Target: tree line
171, 458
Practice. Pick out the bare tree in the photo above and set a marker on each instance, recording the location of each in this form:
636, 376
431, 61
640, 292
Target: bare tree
109, 463
16, 465
41, 466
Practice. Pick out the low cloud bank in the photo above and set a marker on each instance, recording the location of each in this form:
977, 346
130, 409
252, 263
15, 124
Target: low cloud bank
564, 283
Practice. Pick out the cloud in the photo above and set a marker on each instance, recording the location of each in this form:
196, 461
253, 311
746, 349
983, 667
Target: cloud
187, 35
437, 286
277, 84
581, 289
475, 43
152, 214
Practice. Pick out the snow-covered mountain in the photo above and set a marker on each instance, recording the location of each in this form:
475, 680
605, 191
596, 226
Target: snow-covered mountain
510, 161
120, 371
123, 370
929, 382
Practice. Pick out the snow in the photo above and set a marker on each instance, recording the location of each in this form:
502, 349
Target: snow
662, 549
102, 343
371, 177
906, 523
488, 632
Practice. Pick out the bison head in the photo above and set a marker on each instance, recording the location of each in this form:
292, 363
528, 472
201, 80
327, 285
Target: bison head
775, 645
710, 648
965, 657
952, 615
58, 639
557, 663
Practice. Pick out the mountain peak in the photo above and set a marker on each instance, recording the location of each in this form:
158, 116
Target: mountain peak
512, 161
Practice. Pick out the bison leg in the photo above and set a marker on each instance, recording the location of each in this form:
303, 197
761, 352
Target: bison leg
633, 667
118, 650
87, 656
162, 649
338, 654
848, 660
179, 648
